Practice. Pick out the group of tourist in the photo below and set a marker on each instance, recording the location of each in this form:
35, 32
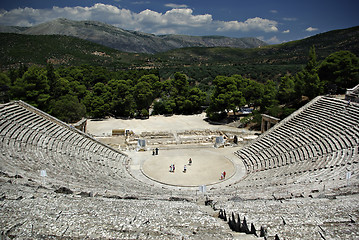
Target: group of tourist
155, 151
189, 163
173, 167
223, 175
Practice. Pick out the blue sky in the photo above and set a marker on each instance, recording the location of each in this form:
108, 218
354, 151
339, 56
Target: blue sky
273, 21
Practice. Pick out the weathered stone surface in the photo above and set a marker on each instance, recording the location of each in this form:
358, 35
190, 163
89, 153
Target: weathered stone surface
64, 190
71, 216
274, 193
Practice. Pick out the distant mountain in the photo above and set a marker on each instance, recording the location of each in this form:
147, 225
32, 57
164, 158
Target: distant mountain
61, 50
130, 41
294, 52
12, 29
66, 50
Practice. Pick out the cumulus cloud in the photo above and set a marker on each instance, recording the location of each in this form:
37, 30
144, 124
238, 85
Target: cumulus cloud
174, 21
273, 40
286, 31
311, 29
173, 5
256, 23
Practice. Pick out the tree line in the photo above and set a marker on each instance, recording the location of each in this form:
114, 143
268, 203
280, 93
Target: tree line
70, 93
333, 75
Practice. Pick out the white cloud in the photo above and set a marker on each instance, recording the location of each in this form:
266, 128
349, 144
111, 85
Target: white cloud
290, 19
256, 23
311, 29
141, 2
286, 31
273, 11
273, 40
174, 21
173, 5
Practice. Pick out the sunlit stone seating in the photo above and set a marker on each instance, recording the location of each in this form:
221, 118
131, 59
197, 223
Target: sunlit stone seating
290, 172
32, 141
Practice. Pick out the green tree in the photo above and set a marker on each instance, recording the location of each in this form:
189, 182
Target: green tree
4, 80
164, 106
286, 91
340, 69
144, 113
225, 97
98, 101
51, 78
67, 108
77, 89
299, 85
154, 83
312, 62
197, 99
122, 102
143, 95
61, 88
179, 91
313, 86
5, 83
251, 89
180, 84
269, 97
33, 88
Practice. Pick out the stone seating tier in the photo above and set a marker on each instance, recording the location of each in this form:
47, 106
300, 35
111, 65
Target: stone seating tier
299, 218
313, 135
308, 154
32, 141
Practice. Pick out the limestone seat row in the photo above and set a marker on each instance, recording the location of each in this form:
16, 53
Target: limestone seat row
324, 127
32, 142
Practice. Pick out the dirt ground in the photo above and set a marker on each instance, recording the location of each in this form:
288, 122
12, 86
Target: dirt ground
208, 163
153, 124
206, 168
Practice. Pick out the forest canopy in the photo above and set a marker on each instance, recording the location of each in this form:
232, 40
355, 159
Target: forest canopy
70, 93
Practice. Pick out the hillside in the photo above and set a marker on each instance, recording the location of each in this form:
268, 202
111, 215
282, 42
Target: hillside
294, 52
60, 50
132, 41
200, 64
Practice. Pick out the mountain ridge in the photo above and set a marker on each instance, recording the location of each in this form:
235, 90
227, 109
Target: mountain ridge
284, 53
66, 50
130, 41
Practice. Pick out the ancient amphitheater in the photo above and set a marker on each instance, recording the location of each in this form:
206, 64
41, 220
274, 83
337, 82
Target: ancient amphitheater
299, 180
